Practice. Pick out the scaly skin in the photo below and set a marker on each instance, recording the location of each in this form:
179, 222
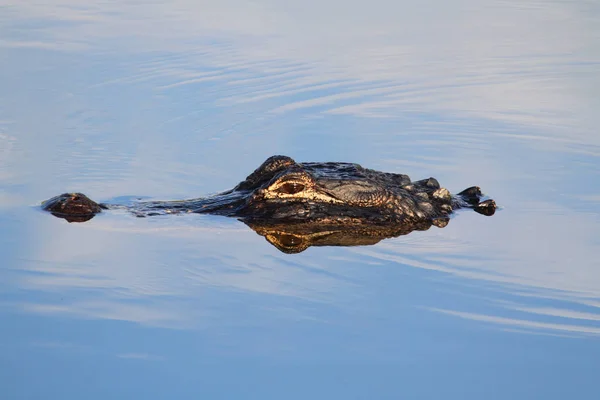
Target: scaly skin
283, 191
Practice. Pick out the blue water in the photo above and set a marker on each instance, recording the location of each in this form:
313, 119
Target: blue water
180, 99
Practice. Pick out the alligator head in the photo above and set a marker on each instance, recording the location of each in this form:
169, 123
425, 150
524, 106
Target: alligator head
344, 193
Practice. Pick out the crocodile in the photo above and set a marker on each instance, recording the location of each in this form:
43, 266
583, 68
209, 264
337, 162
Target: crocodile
282, 191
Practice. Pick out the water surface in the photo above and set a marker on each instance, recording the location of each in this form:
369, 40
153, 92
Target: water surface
180, 99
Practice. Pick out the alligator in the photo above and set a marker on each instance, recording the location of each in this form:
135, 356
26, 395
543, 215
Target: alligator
282, 192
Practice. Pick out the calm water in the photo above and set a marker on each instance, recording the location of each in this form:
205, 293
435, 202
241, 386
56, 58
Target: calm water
181, 98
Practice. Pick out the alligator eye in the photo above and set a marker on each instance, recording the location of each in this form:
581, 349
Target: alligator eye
290, 188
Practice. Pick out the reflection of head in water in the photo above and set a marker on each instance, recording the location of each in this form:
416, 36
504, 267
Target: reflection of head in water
297, 237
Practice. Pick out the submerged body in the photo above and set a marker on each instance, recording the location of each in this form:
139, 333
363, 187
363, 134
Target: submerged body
283, 191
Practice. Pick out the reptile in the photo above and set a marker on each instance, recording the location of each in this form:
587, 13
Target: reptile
283, 191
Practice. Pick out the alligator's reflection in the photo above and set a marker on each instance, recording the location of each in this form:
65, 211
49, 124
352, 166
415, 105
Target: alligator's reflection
297, 237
